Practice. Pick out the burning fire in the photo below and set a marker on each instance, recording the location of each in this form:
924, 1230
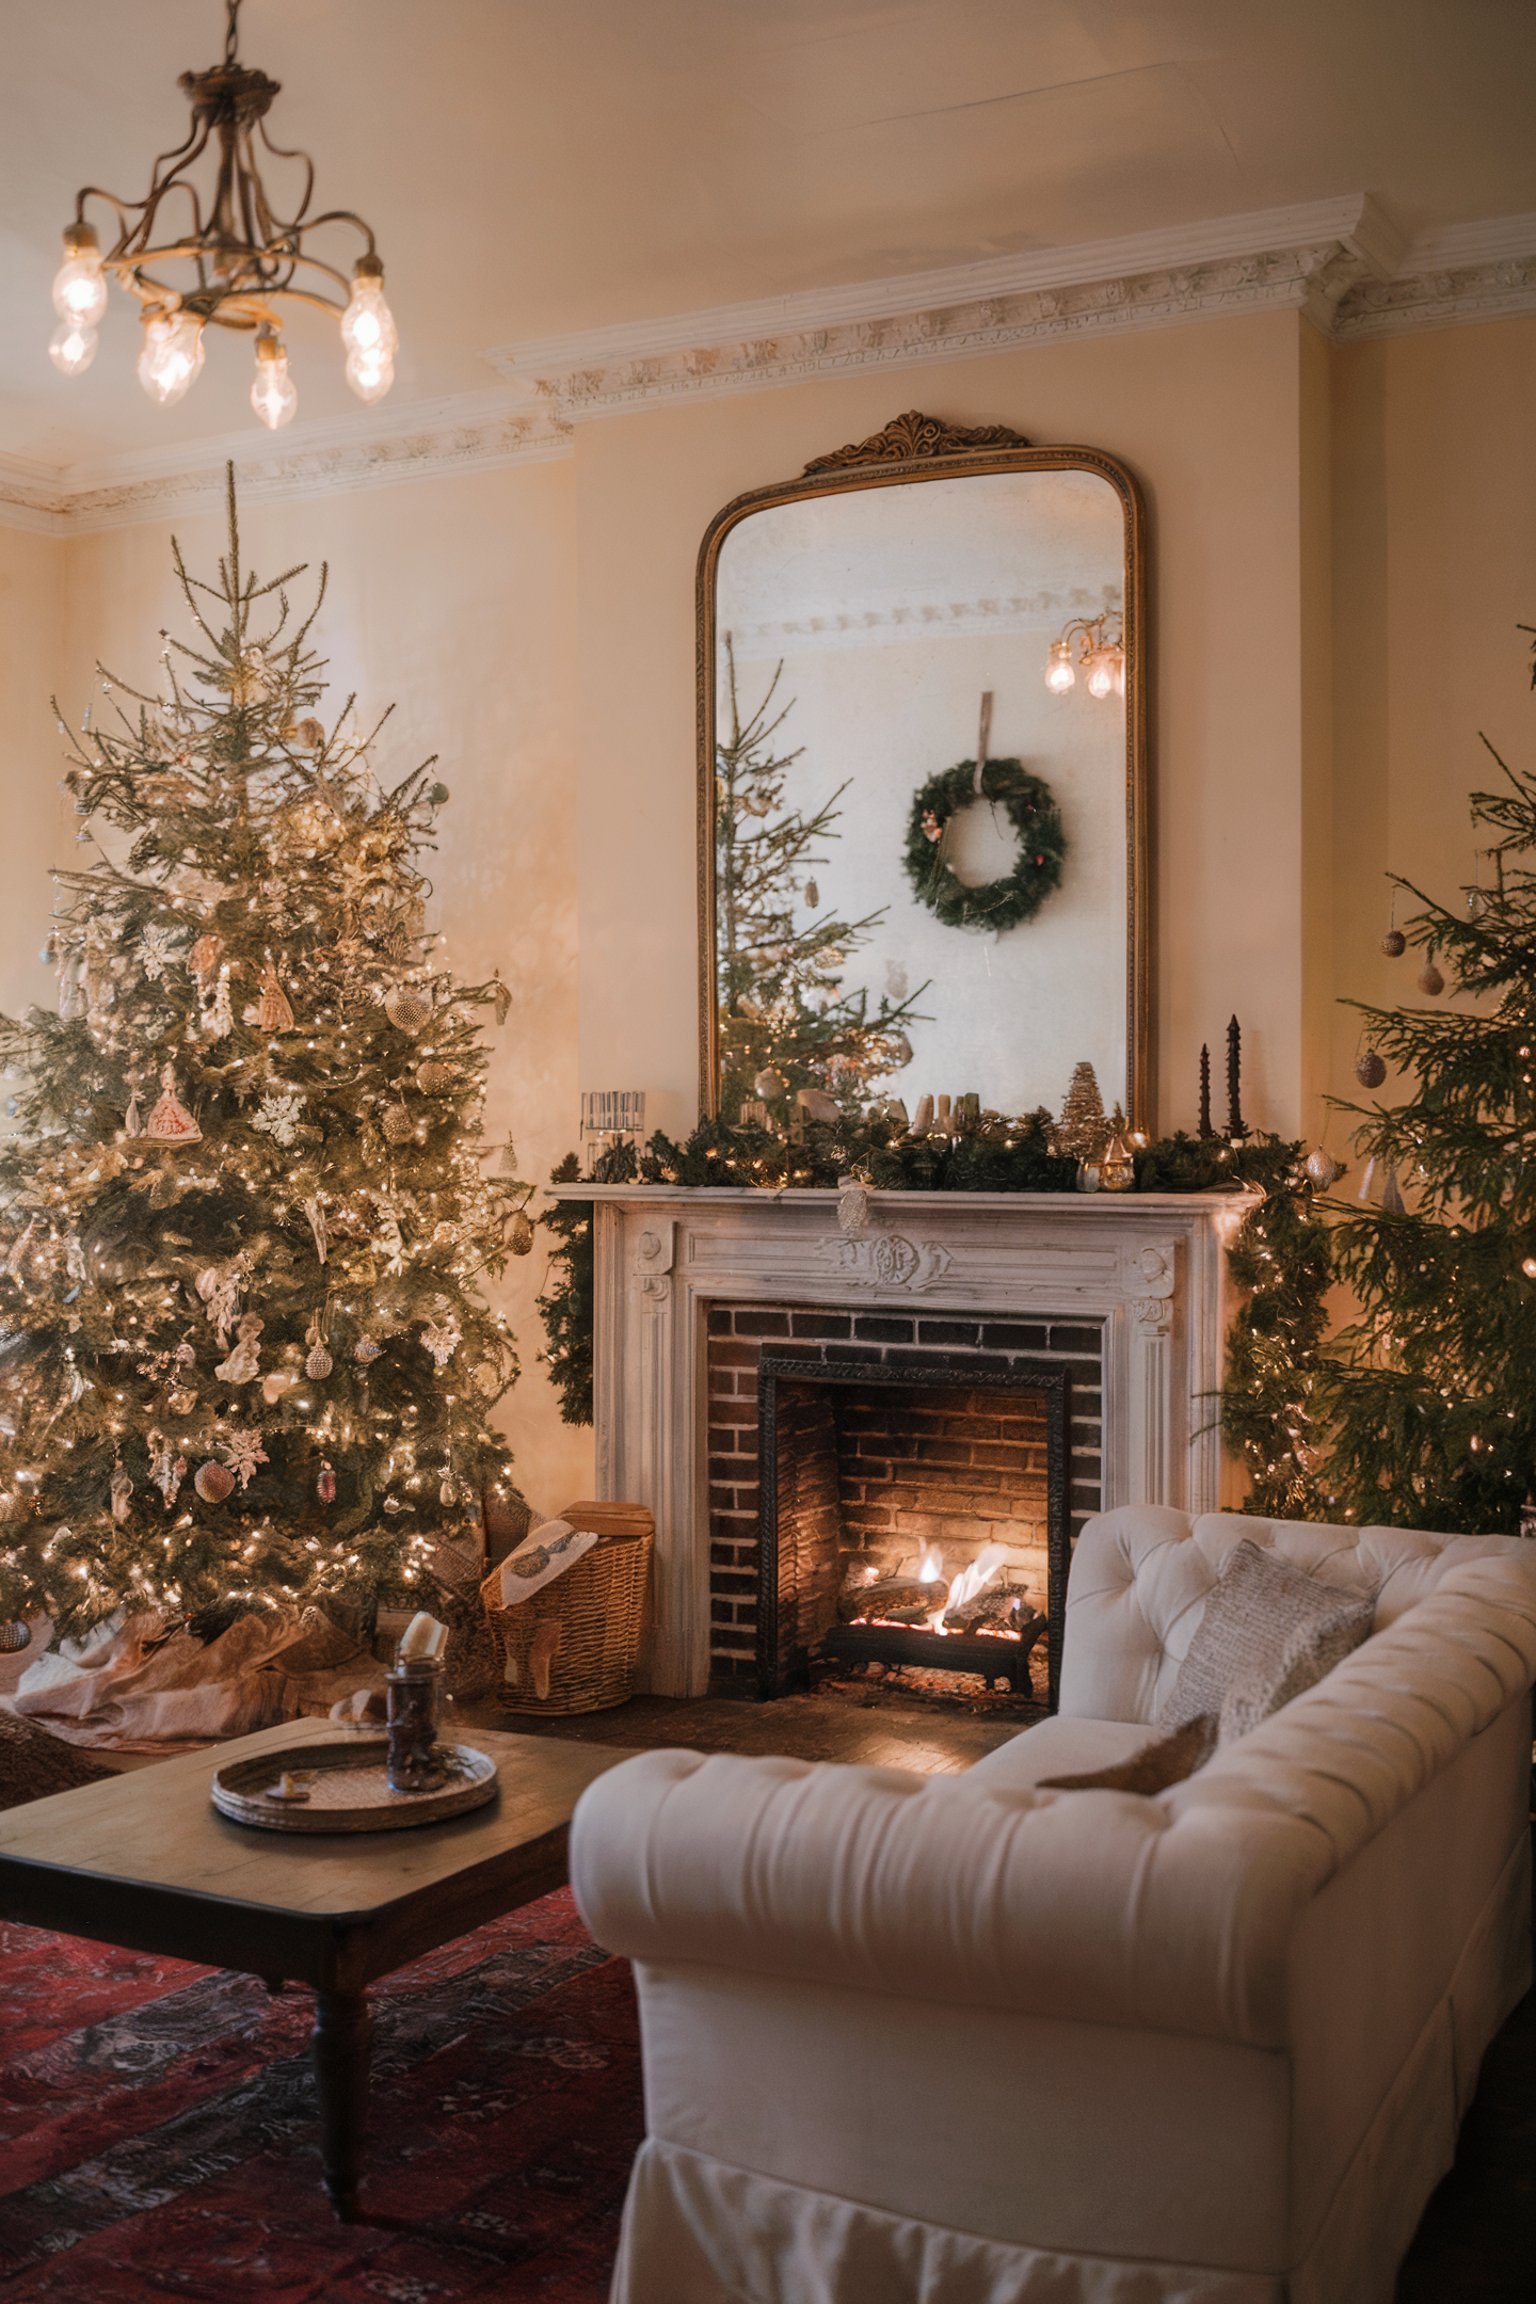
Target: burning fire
966, 1585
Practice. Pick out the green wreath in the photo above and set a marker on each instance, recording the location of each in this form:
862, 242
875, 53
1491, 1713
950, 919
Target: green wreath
997, 904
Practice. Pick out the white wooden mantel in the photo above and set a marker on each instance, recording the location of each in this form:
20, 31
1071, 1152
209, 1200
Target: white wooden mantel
1148, 1267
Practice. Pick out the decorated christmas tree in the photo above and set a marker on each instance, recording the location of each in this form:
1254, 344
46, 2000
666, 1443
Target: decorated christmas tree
246, 1356
780, 955
1429, 1391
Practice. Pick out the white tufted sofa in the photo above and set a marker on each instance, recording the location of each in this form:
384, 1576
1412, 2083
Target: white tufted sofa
954, 2040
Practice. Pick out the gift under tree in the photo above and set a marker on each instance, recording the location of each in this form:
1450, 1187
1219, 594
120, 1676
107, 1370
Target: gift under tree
1429, 1393
247, 1361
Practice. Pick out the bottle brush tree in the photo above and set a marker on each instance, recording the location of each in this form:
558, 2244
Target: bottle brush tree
246, 1357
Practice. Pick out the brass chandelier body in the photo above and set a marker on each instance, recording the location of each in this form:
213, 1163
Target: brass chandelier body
246, 260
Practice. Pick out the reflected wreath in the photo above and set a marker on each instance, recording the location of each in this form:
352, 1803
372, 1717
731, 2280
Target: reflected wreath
995, 905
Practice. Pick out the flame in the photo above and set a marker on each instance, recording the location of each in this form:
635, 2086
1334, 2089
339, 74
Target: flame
981, 1571
931, 1568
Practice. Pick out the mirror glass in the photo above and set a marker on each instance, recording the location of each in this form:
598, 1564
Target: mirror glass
881, 927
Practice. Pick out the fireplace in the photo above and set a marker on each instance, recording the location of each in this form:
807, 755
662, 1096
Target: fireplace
914, 1511
1126, 1291
921, 1448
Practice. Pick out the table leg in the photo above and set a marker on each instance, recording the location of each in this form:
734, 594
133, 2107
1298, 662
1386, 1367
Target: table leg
343, 2032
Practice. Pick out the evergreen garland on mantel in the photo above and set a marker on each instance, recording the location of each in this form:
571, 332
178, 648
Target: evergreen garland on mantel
1279, 1258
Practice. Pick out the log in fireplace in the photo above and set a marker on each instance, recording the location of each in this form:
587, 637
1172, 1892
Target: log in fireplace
912, 1511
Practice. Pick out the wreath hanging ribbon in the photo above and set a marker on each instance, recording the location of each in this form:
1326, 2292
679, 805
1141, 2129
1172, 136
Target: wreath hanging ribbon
996, 905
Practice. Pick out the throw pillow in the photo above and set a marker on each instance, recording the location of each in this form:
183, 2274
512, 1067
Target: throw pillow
1269, 1631
1153, 1768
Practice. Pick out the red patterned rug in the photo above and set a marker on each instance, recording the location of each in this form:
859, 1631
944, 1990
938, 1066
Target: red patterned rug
157, 2127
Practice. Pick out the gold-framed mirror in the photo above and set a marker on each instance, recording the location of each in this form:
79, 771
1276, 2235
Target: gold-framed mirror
924, 779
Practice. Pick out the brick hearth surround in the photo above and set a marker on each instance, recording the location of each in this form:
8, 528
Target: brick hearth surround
737, 1337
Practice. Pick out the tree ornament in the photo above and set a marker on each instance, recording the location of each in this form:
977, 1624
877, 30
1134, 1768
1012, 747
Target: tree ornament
278, 1383
1394, 943
157, 948
1322, 1168
501, 999
816, 1104
442, 1338
243, 1452
520, 1232
309, 734
1430, 980
120, 1493
433, 1076
14, 1636
397, 1125
167, 1469
1117, 1166
133, 1118
273, 1012
219, 1286
407, 1009
770, 1084
1392, 1201
218, 1017
314, 1209
325, 1482
213, 1481
996, 905
280, 1115
245, 1360
169, 1121
366, 1350
180, 1401
812, 895
1370, 1070
318, 1364
203, 958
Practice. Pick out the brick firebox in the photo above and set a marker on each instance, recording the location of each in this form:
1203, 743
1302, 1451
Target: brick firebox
985, 1478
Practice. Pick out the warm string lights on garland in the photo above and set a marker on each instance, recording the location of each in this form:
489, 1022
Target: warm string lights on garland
248, 1359
228, 257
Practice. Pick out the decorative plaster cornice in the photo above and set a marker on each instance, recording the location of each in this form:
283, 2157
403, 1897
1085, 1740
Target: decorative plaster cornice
476, 432
1342, 262
1045, 610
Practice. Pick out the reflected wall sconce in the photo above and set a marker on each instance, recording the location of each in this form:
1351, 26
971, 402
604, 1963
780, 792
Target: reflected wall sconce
1094, 646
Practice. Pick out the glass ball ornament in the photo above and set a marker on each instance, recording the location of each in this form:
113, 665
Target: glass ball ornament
14, 1636
1394, 943
1431, 982
407, 1009
1370, 1068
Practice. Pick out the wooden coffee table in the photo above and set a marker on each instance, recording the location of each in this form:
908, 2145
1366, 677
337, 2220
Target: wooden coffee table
144, 1861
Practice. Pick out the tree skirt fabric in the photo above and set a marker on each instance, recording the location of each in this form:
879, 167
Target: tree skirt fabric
136, 1684
158, 2135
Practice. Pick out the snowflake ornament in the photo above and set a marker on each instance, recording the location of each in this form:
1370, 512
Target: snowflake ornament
243, 1452
442, 1339
157, 948
279, 1115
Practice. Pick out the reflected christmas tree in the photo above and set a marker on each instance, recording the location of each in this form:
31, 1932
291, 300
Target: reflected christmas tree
786, 1022
247, 1360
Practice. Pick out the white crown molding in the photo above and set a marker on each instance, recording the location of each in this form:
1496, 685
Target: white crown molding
474, 432
1343, 262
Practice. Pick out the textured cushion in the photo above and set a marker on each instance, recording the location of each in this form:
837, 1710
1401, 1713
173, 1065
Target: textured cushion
1140, 1575
1268, 1631
1153, 1768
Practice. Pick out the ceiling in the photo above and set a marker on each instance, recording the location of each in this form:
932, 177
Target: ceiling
534, 169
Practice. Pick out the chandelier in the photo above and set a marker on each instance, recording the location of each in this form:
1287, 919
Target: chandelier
1099, 645
235, 260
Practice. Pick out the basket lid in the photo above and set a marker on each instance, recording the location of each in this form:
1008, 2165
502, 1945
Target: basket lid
610, 1519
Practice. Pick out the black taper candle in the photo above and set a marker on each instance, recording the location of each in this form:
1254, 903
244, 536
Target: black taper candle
1205, 1092
1237, 1126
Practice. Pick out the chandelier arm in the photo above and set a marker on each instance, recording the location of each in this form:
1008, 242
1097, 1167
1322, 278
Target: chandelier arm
281, 152
341, 216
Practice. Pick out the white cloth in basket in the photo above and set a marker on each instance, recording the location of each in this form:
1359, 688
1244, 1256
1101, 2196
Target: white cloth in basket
544, 1553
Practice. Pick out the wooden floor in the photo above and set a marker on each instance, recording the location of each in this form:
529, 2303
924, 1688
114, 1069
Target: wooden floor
877, 1731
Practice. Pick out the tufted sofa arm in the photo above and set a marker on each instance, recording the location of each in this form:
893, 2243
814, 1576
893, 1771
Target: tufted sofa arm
1175, 1913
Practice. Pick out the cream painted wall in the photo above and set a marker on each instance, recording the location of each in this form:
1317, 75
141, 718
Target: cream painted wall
37, 827
451, 599
1209, 416
1434, 485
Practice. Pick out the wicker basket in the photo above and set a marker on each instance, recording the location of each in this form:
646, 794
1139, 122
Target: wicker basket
574, 1646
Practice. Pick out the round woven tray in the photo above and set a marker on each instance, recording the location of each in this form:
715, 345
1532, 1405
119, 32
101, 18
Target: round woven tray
348, 1789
